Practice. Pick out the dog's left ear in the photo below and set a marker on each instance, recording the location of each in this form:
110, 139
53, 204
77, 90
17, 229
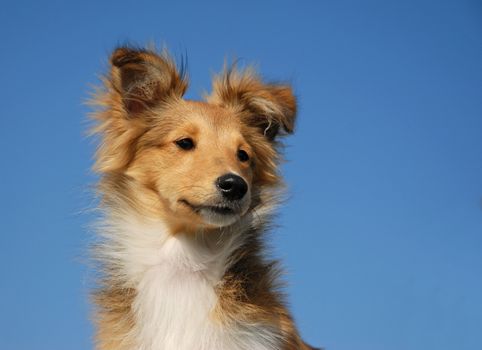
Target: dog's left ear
269, 107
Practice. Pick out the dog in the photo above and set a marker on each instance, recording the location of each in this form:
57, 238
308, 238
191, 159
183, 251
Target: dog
187, 190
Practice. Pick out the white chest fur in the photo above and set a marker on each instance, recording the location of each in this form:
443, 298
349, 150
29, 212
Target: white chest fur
176, 278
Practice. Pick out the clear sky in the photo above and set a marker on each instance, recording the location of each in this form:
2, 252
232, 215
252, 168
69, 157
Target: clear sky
382, 234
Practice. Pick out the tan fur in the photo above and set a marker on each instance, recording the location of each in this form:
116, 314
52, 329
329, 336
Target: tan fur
141, 114
114, 318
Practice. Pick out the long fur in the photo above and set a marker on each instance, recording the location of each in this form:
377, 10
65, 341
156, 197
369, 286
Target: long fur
174, 276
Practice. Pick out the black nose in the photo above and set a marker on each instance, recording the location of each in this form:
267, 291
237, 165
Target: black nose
233, 187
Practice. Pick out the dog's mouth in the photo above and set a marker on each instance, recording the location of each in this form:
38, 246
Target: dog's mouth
218, 213
221, 209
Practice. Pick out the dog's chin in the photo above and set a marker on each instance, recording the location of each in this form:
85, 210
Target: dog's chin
214, 217
218, 215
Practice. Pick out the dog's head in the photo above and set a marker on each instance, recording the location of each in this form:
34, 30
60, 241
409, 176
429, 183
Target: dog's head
201, 164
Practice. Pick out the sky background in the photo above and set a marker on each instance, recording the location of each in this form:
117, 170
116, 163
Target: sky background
382, 234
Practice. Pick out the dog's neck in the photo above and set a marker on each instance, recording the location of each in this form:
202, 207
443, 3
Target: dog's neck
137, 244
176, 279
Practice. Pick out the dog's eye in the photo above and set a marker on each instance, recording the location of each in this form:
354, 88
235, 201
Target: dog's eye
185, 144
243, 155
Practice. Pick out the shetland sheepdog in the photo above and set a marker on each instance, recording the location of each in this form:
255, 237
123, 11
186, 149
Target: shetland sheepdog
187, 190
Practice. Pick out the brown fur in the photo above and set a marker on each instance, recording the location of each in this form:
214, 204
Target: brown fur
142, 112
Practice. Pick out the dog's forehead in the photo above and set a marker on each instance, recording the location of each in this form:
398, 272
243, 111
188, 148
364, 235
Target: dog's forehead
211, 116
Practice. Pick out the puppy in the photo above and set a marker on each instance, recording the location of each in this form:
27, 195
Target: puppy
187, 190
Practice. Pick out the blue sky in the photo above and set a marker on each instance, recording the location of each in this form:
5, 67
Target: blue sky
382, 234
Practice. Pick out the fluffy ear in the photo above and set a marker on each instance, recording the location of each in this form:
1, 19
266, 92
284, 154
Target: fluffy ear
269, 107
144, 78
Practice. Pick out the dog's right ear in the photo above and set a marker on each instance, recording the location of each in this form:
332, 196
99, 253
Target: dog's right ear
145, 79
